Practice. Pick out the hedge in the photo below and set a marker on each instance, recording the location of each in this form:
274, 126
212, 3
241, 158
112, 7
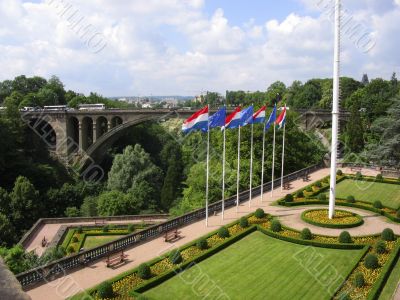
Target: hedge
338, 226
385, 273
311, 242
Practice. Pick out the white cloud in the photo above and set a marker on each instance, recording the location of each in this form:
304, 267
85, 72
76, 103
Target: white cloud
172, 47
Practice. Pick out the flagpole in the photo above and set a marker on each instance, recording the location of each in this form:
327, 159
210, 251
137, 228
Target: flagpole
273, 163
262, 166
238, 173
251, 164
223, 175
283, 155
208, 163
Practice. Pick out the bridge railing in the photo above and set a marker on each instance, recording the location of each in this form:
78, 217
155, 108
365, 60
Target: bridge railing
59, 267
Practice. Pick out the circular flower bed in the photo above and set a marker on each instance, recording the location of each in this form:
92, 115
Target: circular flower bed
342, 219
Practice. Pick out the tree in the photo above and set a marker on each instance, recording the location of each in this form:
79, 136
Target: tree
384, 148
89, 207
24, 199
7, 231
275, 92
365, 80
113, 203
354, 137
72, 212
131, 167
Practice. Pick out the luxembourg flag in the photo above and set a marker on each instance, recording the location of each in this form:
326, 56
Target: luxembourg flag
259, 116
281, 119
233, 121
198, 121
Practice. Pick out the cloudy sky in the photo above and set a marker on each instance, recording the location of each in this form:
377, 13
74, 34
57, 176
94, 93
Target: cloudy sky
184, 47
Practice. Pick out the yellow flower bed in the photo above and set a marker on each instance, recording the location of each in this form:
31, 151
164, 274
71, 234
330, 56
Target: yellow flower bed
341, 217
370, 275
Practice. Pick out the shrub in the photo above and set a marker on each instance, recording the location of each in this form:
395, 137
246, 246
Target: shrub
322, 197
202, 244
380, 247
339, 172
74, 239
276, 226
398, 213
345, 238
131, 228
259, 214
351, 199
388, 235
359, 280
379, 178
318, 184
79, 229
105, 290
378, 204
359, 176
300, 194
70, 249
306, 234
309, 189
144, 271
175, 257
243, 222
105, 228
223, 232
371, 261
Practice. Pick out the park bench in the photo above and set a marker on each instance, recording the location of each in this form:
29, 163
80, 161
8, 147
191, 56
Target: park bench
172, 235
306, 178
100, 222
287, 185
356, 169
115, 259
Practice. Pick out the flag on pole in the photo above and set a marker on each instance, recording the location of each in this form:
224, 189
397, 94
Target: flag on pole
281, 119
233, 120
218, 119
246, 116
198, 121
272, 119
259, 116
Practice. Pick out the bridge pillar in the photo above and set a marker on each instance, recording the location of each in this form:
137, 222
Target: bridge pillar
80, 135
94, 131
108, 125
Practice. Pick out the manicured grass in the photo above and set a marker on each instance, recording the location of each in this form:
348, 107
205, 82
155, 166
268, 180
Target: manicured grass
261, 267
391, 284
94, 241
388, 194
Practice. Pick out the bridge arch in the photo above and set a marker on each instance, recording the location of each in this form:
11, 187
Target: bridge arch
101, 126
116, 121
73, 134
86, 132
104, 142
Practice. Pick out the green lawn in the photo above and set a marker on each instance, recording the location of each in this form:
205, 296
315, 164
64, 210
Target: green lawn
391, 284
261, 267
388, 194
94, 241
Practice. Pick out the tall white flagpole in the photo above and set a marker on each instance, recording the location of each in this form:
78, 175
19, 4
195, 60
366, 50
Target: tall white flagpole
238, 173
208, 164
283, 155
335, 110
262, 165
223, 174
251, 164
273, 163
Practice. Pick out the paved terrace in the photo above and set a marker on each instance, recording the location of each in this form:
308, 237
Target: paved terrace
50, 230
83, 278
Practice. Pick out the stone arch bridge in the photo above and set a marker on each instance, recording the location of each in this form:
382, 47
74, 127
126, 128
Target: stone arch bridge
73, 135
